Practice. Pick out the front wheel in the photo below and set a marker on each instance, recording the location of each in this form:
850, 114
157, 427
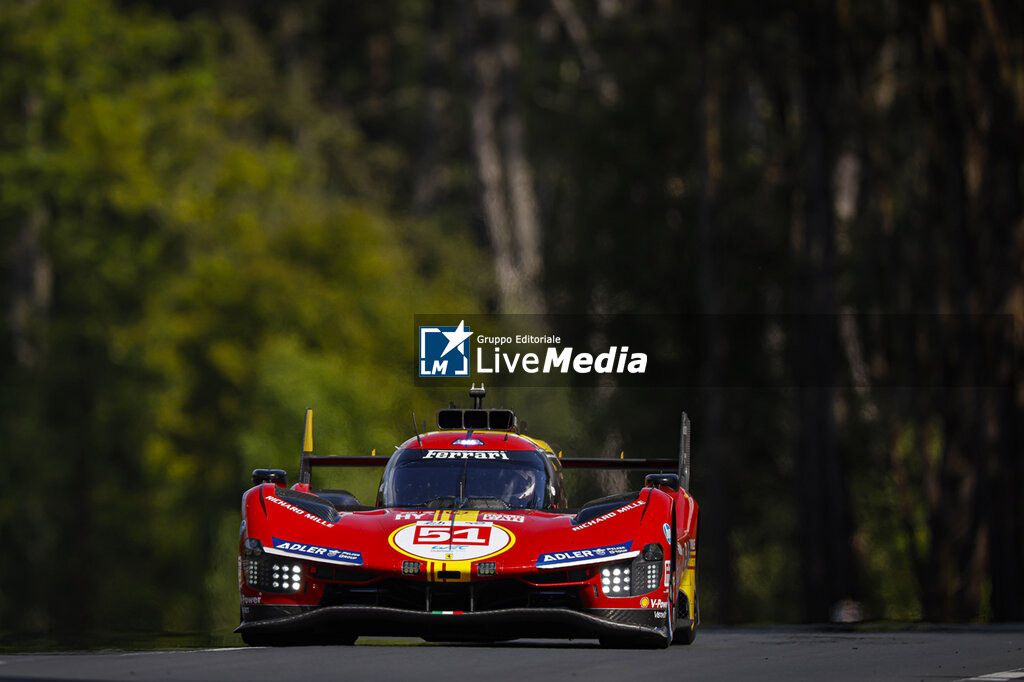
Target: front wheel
687, 614
686, 618
688, 630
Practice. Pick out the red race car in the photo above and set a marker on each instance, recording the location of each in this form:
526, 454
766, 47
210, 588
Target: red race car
470, 539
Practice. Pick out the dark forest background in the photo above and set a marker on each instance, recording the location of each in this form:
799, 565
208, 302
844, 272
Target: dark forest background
216, 214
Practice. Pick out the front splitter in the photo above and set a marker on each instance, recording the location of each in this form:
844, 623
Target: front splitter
321, 622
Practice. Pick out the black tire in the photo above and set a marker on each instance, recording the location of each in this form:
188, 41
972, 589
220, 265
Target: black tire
685, 635
688, 632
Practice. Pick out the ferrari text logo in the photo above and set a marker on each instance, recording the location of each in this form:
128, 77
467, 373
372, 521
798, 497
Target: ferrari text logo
465, 454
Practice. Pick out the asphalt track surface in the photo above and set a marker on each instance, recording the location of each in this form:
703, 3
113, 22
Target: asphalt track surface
995, 652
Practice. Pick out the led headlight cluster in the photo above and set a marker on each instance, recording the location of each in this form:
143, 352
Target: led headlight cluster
615, 580
271, 574
634, 578
286, 577
648, 578
647, 569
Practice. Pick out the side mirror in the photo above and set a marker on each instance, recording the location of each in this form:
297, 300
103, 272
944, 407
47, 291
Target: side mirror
659, 480
275, 476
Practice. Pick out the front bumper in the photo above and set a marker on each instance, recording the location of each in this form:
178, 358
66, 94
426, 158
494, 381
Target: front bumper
324, 622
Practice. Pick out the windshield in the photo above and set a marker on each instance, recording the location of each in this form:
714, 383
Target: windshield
441, 479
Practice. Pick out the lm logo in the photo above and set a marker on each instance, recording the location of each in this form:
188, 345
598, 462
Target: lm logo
444, 351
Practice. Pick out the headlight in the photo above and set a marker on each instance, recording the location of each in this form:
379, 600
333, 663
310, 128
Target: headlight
634, 578
615, 579
271, 574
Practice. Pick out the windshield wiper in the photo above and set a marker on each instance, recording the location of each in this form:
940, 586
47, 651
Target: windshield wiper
462, 483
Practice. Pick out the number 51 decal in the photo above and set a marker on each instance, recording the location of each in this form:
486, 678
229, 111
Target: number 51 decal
455, 535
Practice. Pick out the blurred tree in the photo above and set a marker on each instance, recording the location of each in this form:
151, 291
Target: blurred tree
206, 224
498, 140
220, 260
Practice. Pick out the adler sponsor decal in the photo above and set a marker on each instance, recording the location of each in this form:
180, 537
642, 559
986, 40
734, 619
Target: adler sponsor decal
610, 515
582, 556
318, 552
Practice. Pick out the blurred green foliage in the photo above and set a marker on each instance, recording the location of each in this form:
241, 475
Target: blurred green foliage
222, 257
216, 214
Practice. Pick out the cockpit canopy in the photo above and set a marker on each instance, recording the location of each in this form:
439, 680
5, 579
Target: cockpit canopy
468, 479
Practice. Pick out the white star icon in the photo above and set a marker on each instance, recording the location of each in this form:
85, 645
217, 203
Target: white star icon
456, 338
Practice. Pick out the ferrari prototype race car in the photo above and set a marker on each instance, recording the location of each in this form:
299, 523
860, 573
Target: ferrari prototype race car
470, 539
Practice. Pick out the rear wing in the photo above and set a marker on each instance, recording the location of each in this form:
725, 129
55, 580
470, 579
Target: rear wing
681, 465
308, 460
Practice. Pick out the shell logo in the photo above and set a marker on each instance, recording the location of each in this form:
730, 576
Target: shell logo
645, 602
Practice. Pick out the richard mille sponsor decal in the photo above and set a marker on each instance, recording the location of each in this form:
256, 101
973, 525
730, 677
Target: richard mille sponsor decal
582, 556
300, 512
609, 515
318, 552
451, 541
